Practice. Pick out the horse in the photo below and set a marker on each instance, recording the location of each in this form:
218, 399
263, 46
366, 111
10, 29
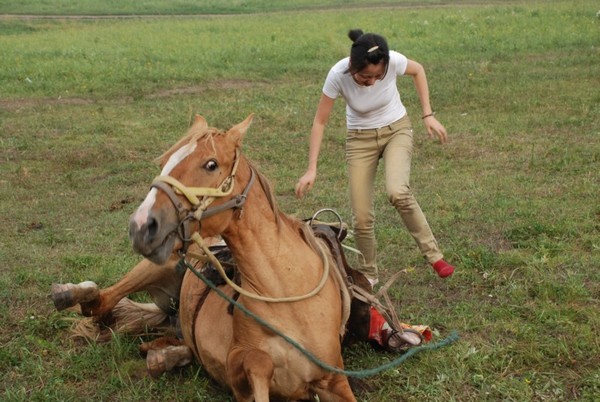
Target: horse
109, 311
207, 187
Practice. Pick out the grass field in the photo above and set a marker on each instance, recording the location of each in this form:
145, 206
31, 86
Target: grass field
187, 7
513, 198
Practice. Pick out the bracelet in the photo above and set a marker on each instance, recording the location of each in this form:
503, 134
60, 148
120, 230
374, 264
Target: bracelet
428, 115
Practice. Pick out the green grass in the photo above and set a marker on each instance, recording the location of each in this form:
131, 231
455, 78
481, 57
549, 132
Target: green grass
86, 105
185, 7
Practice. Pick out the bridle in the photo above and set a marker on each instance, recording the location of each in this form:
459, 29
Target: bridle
200, 199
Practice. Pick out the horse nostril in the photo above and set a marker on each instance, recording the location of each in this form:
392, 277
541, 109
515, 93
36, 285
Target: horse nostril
152, 228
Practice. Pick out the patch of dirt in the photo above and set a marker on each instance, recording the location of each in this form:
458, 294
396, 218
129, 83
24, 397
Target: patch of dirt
198, 89
35, 226
16, 104
117, 205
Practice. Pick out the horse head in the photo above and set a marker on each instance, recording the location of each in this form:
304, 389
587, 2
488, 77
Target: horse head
197, 172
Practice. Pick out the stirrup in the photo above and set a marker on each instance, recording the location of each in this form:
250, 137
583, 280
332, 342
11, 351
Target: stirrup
402, 341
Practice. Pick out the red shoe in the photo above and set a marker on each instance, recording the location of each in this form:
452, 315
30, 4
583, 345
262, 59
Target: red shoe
443, 269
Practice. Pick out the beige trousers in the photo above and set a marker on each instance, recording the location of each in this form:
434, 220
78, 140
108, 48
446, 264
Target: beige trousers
364, 149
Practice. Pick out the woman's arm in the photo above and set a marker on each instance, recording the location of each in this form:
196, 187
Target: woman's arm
417, 72
306, 182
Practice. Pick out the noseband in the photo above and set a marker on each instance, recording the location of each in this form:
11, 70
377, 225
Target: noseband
200, 199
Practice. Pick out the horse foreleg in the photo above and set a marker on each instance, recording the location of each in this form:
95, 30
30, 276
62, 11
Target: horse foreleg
99, 303
337, 389
334, 387
68, 294
144, 276
250, 374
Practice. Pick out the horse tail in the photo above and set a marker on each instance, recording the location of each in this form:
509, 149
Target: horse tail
128, 318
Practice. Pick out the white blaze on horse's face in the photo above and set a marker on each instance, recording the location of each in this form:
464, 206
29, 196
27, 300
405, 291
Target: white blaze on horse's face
141, 215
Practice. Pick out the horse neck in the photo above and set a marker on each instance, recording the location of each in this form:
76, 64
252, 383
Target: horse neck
267, 245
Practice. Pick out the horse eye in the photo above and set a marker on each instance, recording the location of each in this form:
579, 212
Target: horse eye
211, 165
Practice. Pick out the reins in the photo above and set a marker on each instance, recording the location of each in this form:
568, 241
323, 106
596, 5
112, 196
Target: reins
200, 198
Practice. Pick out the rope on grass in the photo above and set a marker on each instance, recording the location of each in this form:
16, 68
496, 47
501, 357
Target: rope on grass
453, 337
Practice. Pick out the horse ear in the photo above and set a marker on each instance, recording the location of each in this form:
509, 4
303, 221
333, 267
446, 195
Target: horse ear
239, 130
200, 122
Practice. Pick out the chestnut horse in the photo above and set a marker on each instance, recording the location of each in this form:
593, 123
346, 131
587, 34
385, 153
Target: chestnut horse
208, 187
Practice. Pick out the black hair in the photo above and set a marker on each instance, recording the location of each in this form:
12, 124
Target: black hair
368, 48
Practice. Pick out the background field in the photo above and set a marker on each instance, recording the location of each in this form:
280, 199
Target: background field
181, 7
86, 105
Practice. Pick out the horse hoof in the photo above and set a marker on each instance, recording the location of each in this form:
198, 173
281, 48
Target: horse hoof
67, 295
62, 296
155, 362
159, 361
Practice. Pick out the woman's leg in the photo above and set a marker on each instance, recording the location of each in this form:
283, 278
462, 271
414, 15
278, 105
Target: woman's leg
362, 156
397, 159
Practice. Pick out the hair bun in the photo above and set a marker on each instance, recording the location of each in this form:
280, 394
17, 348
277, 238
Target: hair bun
354, 34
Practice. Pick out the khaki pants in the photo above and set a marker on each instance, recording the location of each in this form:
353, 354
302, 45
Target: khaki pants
393, 144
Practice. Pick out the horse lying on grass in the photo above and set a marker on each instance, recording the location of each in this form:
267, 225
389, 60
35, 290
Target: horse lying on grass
286, 274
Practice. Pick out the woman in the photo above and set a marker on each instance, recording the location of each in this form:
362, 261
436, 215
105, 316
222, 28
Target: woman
378, 128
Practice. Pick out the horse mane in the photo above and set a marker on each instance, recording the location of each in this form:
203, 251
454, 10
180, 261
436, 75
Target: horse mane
266, 187
301, 227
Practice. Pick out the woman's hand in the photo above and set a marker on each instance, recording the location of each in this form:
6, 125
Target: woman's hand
434, 127
305, 183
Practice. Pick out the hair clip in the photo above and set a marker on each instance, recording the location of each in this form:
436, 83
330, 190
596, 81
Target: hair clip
372, 49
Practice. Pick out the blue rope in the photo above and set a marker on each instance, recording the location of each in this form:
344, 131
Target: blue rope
453, 337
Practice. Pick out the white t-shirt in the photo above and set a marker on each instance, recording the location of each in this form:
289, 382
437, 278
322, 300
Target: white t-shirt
368, 107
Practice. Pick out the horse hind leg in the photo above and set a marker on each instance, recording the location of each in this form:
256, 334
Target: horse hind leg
68, 294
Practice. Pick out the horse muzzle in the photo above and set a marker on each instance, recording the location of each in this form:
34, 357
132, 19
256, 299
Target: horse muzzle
152, 240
